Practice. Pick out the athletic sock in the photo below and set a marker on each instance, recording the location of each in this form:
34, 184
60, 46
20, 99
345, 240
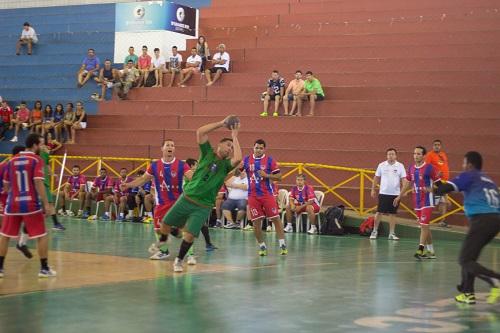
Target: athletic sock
122, 215
206, 234
430, 248
23, 239
54, 219
44, 263
106, 214
282, 242
149, 214
185, 246
495, 283
2, 259
421, 247
288, 224
263, 244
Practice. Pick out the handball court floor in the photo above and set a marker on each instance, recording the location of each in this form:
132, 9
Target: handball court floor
105, 283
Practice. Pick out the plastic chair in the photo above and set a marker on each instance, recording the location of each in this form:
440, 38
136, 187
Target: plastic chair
320, 196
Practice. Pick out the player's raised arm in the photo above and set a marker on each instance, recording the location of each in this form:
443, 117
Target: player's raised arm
237, 155
202, 132
137, 182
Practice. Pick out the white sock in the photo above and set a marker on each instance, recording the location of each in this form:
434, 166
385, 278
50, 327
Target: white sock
288, 224
430, 247
80, 211
313, 226
495, 282
106, 213
263, 244
282, 242
122, 214
149, 214
23, 239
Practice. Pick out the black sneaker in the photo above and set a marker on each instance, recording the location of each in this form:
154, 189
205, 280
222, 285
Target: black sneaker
58, 227
25, 251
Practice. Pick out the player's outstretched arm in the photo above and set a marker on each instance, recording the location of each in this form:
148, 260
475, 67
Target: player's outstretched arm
237, 154
137, 182
202, 132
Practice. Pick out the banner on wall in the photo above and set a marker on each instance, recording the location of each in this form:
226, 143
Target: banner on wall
155, 15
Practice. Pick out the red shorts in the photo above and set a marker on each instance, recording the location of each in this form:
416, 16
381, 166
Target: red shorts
261, 207
35, 225
315, 207
424, 215
3, 201
159, 213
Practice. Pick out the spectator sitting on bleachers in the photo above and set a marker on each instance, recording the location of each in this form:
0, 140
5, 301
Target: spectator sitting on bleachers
36, 117
107, 77
6, 116
203, 51
90, 67
74, 188
159, 66
174, 65
58, 121
144, 66
21, 118
292, 93
48, 120
129, 76
68, 120
275, 92
80, 121
237, 197
131, 56
220, 62
312, 92
193, 65
302, 200
28, 38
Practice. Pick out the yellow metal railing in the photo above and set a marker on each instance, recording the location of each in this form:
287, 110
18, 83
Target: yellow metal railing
289, 169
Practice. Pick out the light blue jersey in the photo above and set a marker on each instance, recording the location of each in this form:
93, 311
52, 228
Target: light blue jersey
481, 194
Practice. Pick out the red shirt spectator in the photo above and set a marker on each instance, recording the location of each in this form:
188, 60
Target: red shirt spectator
6, 113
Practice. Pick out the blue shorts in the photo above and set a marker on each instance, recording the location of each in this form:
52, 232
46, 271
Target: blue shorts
231, 205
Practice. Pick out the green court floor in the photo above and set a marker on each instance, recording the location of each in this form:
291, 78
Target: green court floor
325, 284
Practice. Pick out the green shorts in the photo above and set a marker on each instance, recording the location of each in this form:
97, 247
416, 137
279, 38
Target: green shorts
185, 213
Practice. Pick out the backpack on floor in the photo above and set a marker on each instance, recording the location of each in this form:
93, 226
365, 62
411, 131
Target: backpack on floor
366, 227
334, 219
151, 81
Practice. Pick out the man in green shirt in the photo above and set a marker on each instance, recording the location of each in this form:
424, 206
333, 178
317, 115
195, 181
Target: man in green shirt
194, 206
313, 92
131, 56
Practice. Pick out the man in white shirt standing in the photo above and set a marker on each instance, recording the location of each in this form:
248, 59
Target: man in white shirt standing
28, 37
159, 66
389, 174
220, 63
193, 65
174, 64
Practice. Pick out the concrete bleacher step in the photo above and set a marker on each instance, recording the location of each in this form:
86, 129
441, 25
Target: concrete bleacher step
37, 59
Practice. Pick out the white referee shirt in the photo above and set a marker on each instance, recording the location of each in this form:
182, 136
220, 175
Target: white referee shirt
390, 177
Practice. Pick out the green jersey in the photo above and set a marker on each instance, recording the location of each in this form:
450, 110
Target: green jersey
134, 59
45, 157
314, 85
208, 178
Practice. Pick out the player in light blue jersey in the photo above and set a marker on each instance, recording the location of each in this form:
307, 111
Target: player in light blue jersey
482, 208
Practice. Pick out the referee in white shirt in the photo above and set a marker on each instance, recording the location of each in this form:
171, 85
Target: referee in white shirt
389, 175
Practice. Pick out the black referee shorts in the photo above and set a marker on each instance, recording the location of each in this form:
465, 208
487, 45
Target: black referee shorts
386, 204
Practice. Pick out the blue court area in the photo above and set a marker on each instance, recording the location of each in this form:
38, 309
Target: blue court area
106, 283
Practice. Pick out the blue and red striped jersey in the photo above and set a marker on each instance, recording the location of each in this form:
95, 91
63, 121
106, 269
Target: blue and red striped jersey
257, 185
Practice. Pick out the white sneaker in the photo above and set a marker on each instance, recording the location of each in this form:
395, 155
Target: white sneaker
70, 213
288, 228
313, 230
191, 260
46, 273
374, 234
61, 212
178, 266
14, 139
248, 227
160, 256
269, 228
232, 225
393, 237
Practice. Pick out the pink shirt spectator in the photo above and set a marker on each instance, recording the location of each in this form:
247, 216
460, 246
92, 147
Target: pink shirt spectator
6, 114
23, 114
144, 62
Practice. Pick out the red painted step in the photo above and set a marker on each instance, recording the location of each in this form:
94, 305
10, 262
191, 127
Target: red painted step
147, 108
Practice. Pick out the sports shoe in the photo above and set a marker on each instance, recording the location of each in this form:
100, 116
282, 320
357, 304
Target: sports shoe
283, 250
1, 273
374, 234
263, 251
46, 273
104, 218
443, 224
275, 114
79, 214
178, 266
191, 260
85, 215
248, 227
70, 213
61, 212
393, 237
58, 227
160, 255
92, 218
210, 247
494, 295
263, 114
466, 298
120, 219
429, 255
419, 255
24, 250
14, 139
218, 224
232, 226
269, 228
312, 231
288, 228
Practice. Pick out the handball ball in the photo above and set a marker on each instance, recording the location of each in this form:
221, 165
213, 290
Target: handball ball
231, 121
